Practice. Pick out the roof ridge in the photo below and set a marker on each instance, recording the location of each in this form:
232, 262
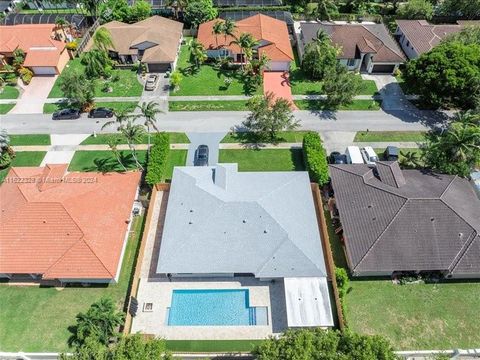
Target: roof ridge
383, 43
448, 187
94, 253
463, 252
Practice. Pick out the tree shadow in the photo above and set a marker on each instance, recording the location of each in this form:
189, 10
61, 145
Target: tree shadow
110, 163
297, 159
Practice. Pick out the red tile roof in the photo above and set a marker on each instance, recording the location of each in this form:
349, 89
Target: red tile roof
35, 40
272, 32
64, 225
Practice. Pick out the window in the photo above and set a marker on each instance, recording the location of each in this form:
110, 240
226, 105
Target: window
147, 307
351, 62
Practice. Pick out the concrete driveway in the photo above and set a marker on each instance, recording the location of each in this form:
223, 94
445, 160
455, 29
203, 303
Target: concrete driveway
34, 95
393, 97
160, 94
212, 140
63, 148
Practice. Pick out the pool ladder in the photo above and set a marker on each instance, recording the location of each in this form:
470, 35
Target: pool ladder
252, 316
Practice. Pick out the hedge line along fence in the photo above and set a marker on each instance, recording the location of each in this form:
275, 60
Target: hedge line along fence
157, 159
315, 158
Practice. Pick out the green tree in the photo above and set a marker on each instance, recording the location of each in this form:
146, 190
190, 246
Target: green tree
113, 143
175, 80
217, 29
197, 54
121, 117
139, 11
409, 159
229, 28
6, 152
467, 8
100, 322
446, 76
62, 23
468, 36
326, 9
18, 58
315, 158
149, 112
102, 39
91, 6
269, 115
133, 133
118, 10
246, 42
78, 89
199, 11
340, 86
97, 63
320, 57
416, 9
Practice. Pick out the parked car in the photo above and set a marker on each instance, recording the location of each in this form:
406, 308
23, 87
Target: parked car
66, 114
100, 112
391, 153
369, 155
152, 82
337, 158
354, 156
201, 156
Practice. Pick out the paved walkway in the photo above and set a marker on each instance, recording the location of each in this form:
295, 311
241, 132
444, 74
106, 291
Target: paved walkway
34, 95
212, 140
63, 148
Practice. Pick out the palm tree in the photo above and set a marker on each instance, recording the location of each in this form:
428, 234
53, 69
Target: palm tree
229, 28
467, 117
410, 159
112, 144
95, 62
102, 39
463, 140
197, 52
177, 6
246, 42
150, 111
61, 23
217, 30
321, 37
120, 118
133, 134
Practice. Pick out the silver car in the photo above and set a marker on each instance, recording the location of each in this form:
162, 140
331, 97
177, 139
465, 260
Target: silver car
151, 83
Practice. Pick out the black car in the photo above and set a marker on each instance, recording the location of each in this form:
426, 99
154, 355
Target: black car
391, 153
66, 114
201, 156
337, 158
100, 112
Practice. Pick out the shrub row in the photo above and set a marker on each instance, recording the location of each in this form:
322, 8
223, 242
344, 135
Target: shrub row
157, 159
315, 158
343, 285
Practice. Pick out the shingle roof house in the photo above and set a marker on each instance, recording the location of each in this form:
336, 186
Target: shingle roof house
364, 47
221, 222
407, 220
66, 226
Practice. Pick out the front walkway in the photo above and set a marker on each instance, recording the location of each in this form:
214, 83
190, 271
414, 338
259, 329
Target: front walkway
391, 93
34, 95
277, 82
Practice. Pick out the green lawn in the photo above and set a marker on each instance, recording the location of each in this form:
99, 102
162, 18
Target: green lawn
264, 160
126, 86
175, 138
34, 319
208, 105
115, 105
318, 105
208, 80
25, 158
212, 345
175, 158
282, 136
30, 139
421, 316
9, 92
393, 136
5, 108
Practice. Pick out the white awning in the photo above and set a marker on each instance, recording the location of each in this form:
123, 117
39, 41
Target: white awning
308, 302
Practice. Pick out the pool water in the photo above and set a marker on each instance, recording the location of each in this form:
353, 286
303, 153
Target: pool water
211, 308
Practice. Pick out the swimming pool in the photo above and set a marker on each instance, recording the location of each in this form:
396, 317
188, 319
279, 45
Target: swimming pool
212, 307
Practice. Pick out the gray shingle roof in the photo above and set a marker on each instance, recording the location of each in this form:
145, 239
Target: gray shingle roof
219, 220
429, 222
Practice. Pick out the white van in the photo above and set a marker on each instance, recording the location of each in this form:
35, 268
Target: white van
354, 156
369, 155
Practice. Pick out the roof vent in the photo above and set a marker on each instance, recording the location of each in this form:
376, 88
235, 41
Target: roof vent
244, 221
265, 231
432, 219
191, 210
190, 223
460, 234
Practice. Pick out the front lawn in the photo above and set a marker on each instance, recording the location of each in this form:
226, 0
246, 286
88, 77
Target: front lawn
9, 92
34, 319
386, 136
101, 139
264, 160
209, 80
127, 85
175, 158
24, 158
282, 136
5, 108
319, 105
128, 106
223, 346
30, 139
208, 105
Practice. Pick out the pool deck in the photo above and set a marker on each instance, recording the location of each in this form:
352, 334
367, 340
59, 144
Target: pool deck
157, 290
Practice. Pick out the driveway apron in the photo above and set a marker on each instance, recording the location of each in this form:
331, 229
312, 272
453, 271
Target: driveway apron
63, 148
34, 95
212, 140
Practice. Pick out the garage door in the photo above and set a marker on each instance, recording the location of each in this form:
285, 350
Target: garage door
159, 68
388, 69
44, 70
278, 66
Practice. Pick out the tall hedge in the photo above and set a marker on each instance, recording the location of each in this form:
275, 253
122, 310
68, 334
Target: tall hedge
315, 158
157, 159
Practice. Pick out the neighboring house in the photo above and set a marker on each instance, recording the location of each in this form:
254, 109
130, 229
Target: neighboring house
272, 35
364, 47
154, 41
418, 36
44, 54
7, 6
397, 220
66, 226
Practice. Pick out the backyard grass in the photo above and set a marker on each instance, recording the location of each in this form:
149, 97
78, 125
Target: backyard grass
393, 136
9, 92
208, 105
208, 80
100, 139
264, 160
318, 105
26, 158
30, 139
34, 319
282, 136
114, 105
126, 86
5, 108
416, 316
212, 345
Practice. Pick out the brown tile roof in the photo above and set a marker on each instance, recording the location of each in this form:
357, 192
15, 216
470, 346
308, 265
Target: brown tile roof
36, 40
424, 36
410, 221
352, 38
73, 228
165, 34
263, 28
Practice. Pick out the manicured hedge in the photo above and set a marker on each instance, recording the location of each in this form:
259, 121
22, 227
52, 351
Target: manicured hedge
315, 158
157, 159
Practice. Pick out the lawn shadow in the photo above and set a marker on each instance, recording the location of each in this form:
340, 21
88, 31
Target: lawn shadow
297, 159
